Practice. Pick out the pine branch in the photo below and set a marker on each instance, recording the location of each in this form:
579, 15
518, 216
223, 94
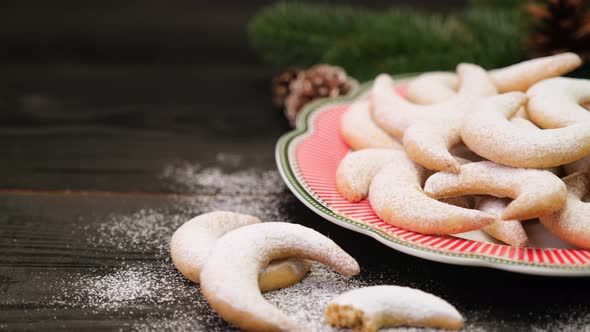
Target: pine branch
398, 40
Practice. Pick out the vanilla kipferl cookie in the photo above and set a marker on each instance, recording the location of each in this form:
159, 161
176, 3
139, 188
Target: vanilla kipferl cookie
434, 87
192, 242
370, 308
360, 132
489, 132
429, 131
557, 102
357, 169
521, 76
572, 223
397, 197
507, 231
229, 280
535, 192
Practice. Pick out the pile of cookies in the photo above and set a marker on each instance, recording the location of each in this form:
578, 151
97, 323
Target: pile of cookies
475, 150
235, 257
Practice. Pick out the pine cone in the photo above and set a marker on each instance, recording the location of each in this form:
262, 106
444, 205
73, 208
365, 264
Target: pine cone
280, 85
559, 26
319, 81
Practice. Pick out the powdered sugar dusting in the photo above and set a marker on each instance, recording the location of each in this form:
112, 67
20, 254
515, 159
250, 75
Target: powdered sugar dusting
490, 134
143, 231
231, 273
406, 304
485, 177
216, 180
395, 192
360, 132
569, 323
129, 284
508, 231
357, 169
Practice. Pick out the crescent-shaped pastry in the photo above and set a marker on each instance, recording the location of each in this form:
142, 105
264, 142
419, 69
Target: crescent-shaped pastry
357, 169
572, 223
192, 242
370, 308
535, 192
557, 102
433, 87
229, 280
396, 191
489, 133
360, 132
521, 76
429, 131
507, 231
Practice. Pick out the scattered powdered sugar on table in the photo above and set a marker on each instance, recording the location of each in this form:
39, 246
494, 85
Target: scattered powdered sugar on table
306, 300
142, 231
148, 294
127, 285
570, 323
195, 177
244, 191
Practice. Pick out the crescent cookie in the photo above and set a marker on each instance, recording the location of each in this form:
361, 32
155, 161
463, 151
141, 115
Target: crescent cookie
360, 132
557, 102
435, 87
489, 133
572, 223
229, 280
507, 231
521, 76
370, 308
357, 169
431, 88
192, 242
535, 192
429, 131
396, 191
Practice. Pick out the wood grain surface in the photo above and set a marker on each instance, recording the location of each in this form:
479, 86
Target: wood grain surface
105, 110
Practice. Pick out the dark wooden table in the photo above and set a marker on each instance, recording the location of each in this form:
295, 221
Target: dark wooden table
117, 124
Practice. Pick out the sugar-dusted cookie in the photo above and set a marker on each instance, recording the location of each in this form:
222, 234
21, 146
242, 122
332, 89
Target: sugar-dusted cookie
397, 197
360, 132
489, 133
192, 242
507, 231
433, 87
357, 169
370, 308
572, 223
229, 280
521, 76
535, 192
558, 102
429, 131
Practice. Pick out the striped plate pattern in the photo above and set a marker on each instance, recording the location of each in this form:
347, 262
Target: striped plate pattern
316, 158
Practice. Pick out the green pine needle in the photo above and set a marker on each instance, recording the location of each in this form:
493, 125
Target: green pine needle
398, 40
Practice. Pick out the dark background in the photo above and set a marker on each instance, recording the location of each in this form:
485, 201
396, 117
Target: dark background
97, 97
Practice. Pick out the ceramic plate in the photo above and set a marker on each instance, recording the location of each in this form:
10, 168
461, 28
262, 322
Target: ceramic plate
308, 156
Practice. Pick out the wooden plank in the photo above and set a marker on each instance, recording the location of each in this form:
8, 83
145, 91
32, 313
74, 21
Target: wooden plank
75, 262
110, 160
